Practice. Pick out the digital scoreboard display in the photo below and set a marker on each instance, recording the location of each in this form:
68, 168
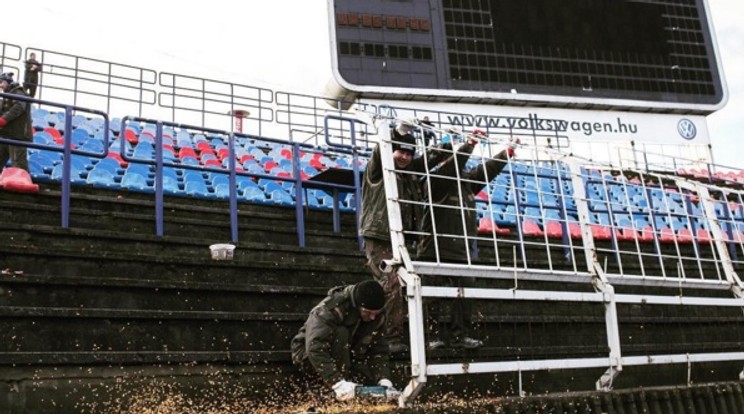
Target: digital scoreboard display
654, 55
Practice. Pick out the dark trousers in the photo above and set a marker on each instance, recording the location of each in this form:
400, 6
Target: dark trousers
451, 319
395, 307
16, 154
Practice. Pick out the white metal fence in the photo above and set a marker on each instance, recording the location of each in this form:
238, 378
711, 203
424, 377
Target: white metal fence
567, 220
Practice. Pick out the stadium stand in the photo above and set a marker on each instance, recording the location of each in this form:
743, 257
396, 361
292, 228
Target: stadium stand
119, 286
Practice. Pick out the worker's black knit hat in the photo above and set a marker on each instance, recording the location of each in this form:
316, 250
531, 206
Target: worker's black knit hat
404, 142
369, 295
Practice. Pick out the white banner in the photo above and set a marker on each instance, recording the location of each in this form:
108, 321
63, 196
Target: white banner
579, 125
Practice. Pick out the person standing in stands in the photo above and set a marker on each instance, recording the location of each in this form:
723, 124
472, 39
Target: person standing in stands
375, 228
15, 123
342, 339
31, 75
451, 188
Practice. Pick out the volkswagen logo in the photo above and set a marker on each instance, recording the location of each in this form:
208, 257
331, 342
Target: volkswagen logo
686, 129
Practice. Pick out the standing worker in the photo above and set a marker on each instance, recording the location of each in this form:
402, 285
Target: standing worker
31, 75
452, 199
375, 228
15, 123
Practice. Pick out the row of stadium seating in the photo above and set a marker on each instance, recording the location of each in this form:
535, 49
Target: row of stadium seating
536, 198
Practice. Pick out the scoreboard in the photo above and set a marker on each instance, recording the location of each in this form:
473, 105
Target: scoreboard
650, 55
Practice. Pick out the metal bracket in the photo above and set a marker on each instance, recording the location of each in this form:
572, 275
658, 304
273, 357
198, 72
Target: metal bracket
389, 266
604, 383
409, 394
602, 285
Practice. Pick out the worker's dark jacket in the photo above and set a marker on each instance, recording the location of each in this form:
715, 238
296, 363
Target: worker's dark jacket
453, 208
18, 115
374, 217
315, 338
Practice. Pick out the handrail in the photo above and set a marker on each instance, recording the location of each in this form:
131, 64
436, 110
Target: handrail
9, 53
231, 171
67, 150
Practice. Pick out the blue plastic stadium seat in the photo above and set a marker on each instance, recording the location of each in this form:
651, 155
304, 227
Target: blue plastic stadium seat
245, 182
109, 164
135, 181
44, 161
144, 151
281, 197
92, 145
36, 170
170, 185
196, 188
39, 122
42, 137
222, 190
218, 179
193, 175
101, 178
254, 194
271, 186
141, 169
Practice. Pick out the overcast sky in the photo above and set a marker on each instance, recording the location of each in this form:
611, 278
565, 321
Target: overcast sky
279, 44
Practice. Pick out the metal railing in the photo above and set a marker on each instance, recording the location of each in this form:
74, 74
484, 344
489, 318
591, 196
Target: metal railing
10, 56
66, 149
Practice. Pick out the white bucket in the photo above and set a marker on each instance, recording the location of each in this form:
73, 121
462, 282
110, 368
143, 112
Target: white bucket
222, 251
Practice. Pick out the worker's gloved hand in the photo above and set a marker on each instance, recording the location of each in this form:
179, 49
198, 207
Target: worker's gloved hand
387, 384
513, 143
344, 390
390, 392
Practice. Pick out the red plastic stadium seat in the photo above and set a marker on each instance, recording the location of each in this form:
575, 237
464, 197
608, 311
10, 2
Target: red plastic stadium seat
17, 179
626, 234
186, 152
600, 232
117, 157
213, 163
530, 228
270, 165
703, 235
666, 235
684, 235
487, 226
647, 234
131, 136
738, 236
246, 157
574, 229
553, 229
315, 163
208, 152
203, 146
56, 135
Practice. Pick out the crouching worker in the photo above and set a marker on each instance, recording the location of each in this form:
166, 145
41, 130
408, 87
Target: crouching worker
342, 341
